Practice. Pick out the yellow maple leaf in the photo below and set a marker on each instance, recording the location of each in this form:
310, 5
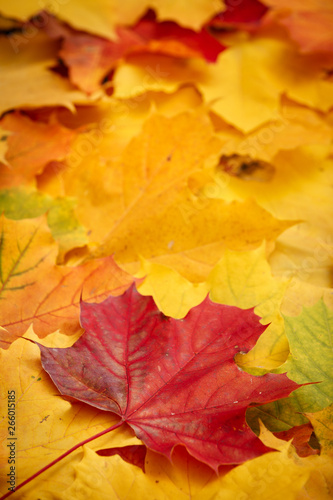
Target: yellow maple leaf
321, 478
103, 16
26, 79
292, 126
316, 469
244, 93
270, 476
301, 187
151, 190
178, 10
154, 213
241, 279
99, 17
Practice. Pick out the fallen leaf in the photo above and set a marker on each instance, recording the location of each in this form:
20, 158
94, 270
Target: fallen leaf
169, 38
183, 479
90, 59
177, 10
249, 283
155, 212
102, 17
311, 30
28, 60
30, 146
272, 476
32, 285
253, 91
317, 468
311, 356
65, 227
236, 181
279, 416
244, 15
308, 24
241, 279
321, 476
292, 126
48, 427
22, 203
173, 294
99, 17
322, 423
300, 436
170, 381
302, 254
309, 336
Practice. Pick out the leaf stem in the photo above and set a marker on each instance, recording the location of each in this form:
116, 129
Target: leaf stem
68, 452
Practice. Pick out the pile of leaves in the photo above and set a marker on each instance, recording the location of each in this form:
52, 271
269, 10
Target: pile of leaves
166, 189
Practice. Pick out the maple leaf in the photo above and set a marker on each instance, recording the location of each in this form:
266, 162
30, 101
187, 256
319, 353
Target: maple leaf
30, 146
196, 224
304, 253
101, 18
241, 279
309, 24
300, 436
292, 126
22, 203
90, 58
177, 10
184, 478
155, 210
251, 100
244, 15
309, 336
280, 416
172, 382
32, 285
276, 474
92, 16
48, 425
311, 357
30, 65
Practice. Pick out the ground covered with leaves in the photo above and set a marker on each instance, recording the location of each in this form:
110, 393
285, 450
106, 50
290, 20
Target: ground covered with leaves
166, 189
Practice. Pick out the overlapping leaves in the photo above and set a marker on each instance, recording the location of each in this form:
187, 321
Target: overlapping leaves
173, 381
193, 148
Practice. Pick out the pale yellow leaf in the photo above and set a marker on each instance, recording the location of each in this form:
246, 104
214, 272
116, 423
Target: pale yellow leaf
26, 79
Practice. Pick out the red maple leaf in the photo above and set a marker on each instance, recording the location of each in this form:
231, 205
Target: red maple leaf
173, 381
244, 14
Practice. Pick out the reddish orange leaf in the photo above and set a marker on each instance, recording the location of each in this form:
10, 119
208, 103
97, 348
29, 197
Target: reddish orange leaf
90, 58
173, 381
245, 14
309, 24
31, 145
170, 38
312, 31
300, 436
33, 289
